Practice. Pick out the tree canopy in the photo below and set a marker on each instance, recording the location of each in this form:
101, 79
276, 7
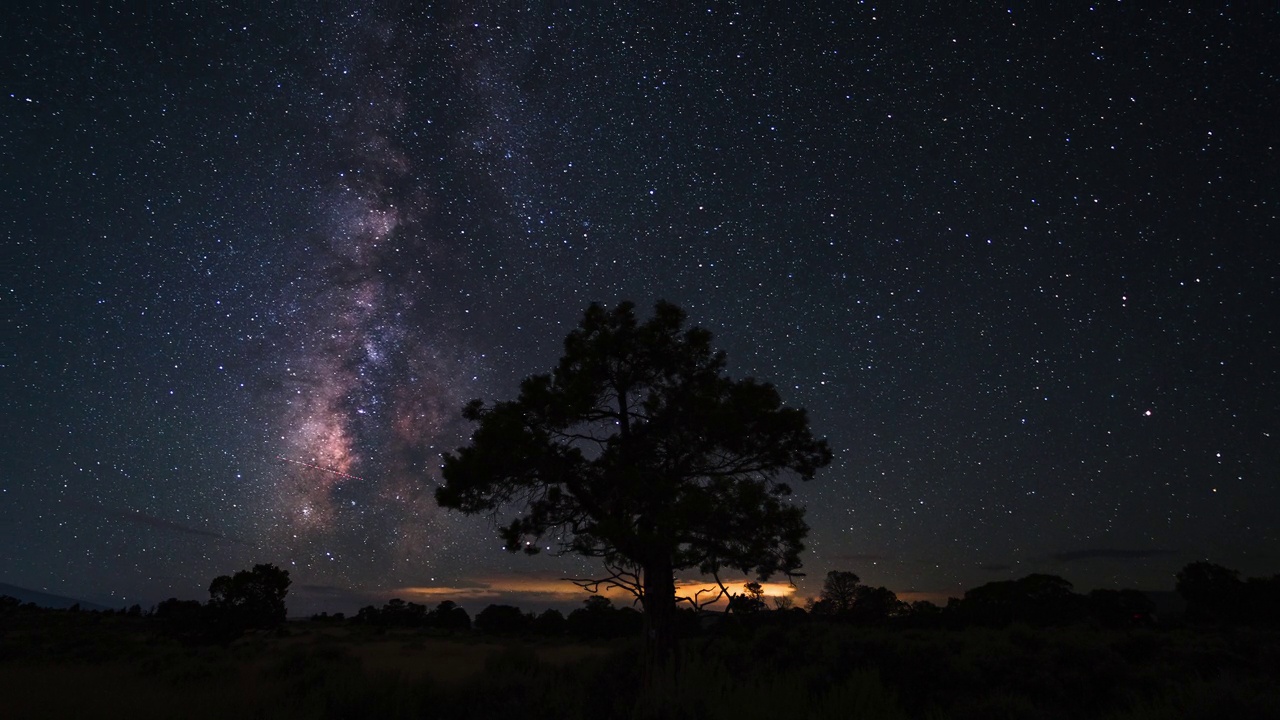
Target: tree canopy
255, 598
638, 449
839, 592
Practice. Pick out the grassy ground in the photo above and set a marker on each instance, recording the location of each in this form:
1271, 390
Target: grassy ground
59, 665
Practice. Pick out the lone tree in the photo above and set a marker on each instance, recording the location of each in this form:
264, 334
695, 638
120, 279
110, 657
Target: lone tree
251, 598
839, 592
1213, 592
637, 449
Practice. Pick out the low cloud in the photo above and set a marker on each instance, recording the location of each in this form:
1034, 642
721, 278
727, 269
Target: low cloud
937, 597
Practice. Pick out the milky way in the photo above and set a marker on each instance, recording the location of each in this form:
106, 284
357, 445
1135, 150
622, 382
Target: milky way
371, 394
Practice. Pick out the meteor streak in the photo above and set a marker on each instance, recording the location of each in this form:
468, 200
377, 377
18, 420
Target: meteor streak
317, 467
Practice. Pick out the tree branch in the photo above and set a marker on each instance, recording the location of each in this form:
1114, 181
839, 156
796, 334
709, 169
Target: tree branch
619, 577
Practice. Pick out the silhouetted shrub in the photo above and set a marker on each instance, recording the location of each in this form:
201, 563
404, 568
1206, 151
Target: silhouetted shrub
550, 623
503, 620
250, 598
1120, 608
448, 616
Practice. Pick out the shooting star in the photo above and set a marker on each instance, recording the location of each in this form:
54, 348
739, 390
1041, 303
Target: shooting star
317, 467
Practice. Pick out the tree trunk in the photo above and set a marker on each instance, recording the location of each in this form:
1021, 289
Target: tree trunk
659, 619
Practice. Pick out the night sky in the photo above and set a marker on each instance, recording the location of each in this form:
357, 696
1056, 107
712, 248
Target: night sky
1020, 265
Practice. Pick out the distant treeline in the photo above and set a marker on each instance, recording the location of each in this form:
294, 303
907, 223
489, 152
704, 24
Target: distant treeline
598, 618
1214, 595
248, 600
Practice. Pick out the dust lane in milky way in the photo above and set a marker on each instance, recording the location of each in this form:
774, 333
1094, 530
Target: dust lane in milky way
372, 379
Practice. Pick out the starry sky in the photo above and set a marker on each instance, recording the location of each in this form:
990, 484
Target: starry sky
1019, 263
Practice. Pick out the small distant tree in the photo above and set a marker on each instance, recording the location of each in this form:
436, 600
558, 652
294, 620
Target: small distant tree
1213, 592
173, 607
839, 593
251, 598
9, 604
502, 620
1260, 602
550, 623
415, 615
190, 622
598, 618
925, 608
750, 601
395, 613
1037, 599
876, 605
925, 614
450, 617
1120, 608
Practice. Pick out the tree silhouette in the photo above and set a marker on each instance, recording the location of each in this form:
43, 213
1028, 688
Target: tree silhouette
1213, 592
637, 449
251, 598
1036, 599
449, 616
503, 620
1260, 601
1120, 608
598, 618
839, 593
925, 614
750, 601
876, 605
550, 623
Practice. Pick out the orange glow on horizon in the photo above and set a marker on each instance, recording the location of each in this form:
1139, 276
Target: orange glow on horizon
555, 589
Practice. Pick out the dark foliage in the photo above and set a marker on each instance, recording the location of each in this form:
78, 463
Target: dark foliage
195, 624
447, 616
1216, 594
639, 450
551, 623
251, 598
844, 598
55, 663
598, 618
1121, 608
763, 663
839, 592
503, 620
1213, 592
750, 601
1037, 599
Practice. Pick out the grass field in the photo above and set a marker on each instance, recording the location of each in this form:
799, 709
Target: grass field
67, 665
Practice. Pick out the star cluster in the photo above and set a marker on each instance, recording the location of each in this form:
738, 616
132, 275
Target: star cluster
1020, 264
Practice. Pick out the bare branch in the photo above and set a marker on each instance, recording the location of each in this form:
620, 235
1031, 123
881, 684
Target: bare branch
618, 577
